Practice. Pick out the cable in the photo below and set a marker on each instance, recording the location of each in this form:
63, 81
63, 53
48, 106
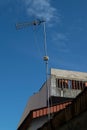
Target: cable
45, 46
36, 41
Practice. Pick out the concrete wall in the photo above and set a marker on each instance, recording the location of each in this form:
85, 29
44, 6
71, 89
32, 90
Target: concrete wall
65, 92
78, 123
73, 75
37, 123
36, 101
73, 117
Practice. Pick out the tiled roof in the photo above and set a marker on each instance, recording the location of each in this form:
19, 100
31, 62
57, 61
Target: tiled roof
41, 112
53, 109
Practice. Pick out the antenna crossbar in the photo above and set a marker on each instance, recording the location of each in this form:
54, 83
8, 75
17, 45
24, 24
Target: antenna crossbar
26, 24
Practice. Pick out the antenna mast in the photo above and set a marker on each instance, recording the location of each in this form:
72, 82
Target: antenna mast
45, 58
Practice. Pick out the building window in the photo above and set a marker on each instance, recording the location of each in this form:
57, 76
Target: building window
62, 83
71, 84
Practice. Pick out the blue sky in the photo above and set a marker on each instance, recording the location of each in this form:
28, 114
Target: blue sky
22, 69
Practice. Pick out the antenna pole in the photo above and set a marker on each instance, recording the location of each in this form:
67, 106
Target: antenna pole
46, 58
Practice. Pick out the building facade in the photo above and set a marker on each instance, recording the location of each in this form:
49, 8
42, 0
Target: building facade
63, 86
72, 117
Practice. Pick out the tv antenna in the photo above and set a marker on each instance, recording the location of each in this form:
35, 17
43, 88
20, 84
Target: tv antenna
45, 58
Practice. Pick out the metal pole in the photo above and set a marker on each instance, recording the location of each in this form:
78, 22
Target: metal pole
48, 91
46, 58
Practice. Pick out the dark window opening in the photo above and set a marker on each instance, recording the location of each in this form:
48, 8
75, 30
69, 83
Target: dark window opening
71, 84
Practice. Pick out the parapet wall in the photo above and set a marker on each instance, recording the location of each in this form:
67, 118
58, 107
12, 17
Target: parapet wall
73, 117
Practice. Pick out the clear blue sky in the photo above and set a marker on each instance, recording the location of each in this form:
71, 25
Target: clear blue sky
22, 70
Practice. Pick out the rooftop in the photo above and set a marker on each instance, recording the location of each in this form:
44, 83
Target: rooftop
67, 74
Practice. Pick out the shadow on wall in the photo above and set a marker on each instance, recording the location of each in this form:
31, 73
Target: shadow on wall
73, 117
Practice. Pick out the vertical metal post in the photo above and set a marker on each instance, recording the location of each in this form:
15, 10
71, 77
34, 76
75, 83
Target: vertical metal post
46, 58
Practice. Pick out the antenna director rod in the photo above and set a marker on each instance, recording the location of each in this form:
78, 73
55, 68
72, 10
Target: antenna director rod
26, 24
